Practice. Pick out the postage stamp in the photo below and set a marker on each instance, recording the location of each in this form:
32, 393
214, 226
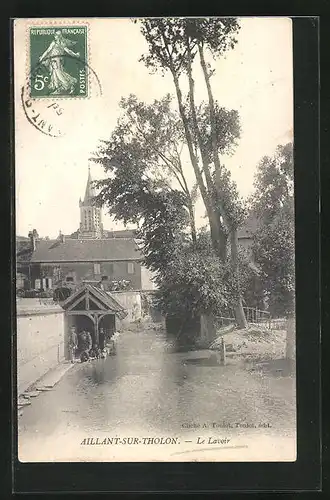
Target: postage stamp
58, 57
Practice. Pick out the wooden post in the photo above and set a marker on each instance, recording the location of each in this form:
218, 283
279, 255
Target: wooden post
290, 348
96, 323
222, 352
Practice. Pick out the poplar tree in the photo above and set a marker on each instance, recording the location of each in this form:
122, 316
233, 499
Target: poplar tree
175, 45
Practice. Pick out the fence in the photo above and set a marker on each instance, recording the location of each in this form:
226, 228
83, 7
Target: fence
253, 316
278, 324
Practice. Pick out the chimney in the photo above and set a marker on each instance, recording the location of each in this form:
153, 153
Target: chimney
33, 235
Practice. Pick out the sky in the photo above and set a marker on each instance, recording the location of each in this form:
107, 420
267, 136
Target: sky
256, 78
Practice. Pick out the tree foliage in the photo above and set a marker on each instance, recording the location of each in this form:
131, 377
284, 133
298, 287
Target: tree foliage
231, 201
173, 45
162, 231
146, 184
167, 39
195, 281
274, 185
142, 162
227, 126
274, 240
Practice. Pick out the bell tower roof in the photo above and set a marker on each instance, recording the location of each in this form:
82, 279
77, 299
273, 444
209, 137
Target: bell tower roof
89, 191
90, 214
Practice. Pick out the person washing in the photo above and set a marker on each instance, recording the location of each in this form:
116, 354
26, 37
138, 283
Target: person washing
73, 343
85, 345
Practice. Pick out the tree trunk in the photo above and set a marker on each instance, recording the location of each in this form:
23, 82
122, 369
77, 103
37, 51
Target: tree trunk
217, 234
207, 330
290, 348
192, 223
189, 140
216, 159
190, 205
238, 306
215, 149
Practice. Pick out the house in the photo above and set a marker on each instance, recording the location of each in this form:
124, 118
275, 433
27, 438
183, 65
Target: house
23, 256
108, 259
93, 261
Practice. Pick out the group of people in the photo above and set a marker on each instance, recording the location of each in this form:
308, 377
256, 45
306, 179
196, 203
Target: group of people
81, 345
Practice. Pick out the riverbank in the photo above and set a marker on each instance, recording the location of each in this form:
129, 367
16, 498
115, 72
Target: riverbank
46, 383
256, 343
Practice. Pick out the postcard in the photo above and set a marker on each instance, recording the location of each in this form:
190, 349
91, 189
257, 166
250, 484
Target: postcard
155, 284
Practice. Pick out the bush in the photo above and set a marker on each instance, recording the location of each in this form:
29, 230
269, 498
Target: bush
194, 284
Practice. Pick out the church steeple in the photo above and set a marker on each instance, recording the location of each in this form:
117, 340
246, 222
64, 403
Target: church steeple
90, 190
90, 215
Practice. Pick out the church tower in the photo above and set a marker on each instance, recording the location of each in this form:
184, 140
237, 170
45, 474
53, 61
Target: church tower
90, 216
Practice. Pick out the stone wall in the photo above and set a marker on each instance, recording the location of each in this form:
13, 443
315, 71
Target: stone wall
146, 279
40, 342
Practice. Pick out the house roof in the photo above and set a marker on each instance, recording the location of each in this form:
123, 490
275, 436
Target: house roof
106, 301
249, 227
121, 233
23, 250
77, 250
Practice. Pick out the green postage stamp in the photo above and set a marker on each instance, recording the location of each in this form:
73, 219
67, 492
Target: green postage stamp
58, 61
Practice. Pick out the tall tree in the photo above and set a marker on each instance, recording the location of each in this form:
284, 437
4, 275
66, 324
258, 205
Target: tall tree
137, 141
273, 203
206, 33
173, 44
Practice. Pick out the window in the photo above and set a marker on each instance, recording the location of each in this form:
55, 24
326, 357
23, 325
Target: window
97, 268
130, 267
69, 278
104, 278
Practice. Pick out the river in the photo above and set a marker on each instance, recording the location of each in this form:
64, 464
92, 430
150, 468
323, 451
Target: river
147, 389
